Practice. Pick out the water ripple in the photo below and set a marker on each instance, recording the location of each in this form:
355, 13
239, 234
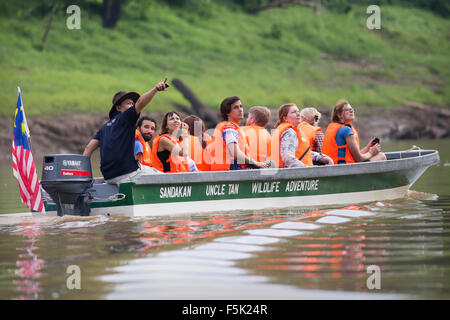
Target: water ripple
323, 253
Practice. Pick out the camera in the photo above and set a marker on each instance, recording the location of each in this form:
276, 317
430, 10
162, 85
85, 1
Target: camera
375, 141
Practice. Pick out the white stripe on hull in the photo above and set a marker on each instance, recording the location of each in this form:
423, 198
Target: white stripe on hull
179, 208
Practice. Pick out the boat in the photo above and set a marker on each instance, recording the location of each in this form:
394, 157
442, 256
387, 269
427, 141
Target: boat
220, 191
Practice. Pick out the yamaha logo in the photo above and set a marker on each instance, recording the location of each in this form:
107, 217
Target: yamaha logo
71, 163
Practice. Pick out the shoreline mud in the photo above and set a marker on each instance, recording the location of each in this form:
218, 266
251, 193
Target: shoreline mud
70, 133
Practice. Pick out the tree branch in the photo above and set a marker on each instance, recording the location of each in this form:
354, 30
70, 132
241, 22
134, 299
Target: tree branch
208, 115
49, 25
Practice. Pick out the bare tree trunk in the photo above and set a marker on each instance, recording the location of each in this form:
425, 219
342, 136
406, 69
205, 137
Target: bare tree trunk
49, 25
111, 12
318, 8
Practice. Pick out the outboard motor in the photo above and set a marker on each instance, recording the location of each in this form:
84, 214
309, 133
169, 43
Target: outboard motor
67, 178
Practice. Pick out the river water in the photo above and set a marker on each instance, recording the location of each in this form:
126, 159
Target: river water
383, 250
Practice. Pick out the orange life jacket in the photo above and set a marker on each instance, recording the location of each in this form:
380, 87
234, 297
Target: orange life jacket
147, 152
207, 151
310, 131
258, 140
217, 149
177, 163
303, 152
207, 138
330, 147
198, 154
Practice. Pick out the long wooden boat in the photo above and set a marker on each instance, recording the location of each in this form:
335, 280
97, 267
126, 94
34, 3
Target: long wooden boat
190, 193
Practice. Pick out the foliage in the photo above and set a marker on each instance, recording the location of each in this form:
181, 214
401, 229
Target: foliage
440, 7
273, 57
24, 9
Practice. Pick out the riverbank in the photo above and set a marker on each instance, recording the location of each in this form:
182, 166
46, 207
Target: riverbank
71, 133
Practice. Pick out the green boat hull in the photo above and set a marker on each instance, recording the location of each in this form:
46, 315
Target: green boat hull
190, 193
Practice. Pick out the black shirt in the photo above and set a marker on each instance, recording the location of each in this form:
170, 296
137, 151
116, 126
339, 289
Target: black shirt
163, 156
117, 144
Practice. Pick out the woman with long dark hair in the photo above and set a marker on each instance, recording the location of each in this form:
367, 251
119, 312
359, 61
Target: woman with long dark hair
198, 141
170, 147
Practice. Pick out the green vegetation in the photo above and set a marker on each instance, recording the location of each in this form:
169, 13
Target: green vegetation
273, 57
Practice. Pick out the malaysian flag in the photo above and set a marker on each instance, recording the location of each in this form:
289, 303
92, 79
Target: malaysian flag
23, 163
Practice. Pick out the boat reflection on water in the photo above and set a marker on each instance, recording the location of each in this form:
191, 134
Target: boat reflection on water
157, 233
186, 231
280, 254
320, 261
311, 246
29, 264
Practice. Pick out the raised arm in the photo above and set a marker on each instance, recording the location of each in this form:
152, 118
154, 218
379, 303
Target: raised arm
148, 96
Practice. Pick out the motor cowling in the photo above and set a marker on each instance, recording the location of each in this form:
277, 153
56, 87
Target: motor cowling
67, 179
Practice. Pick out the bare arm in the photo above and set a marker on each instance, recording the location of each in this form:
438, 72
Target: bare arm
366, 148
232, 146
91, 147
237, 154
148, 96
322, 158
357, 154
166, 144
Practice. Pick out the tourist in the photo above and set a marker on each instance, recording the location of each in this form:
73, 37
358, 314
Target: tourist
145, 129
229, 150
290, 146
171, 147
257, 137
309, 124
341, 140
116, 137
198, 141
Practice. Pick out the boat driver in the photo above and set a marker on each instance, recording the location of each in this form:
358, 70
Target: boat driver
117, 136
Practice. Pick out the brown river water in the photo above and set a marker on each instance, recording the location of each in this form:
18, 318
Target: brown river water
383, 250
